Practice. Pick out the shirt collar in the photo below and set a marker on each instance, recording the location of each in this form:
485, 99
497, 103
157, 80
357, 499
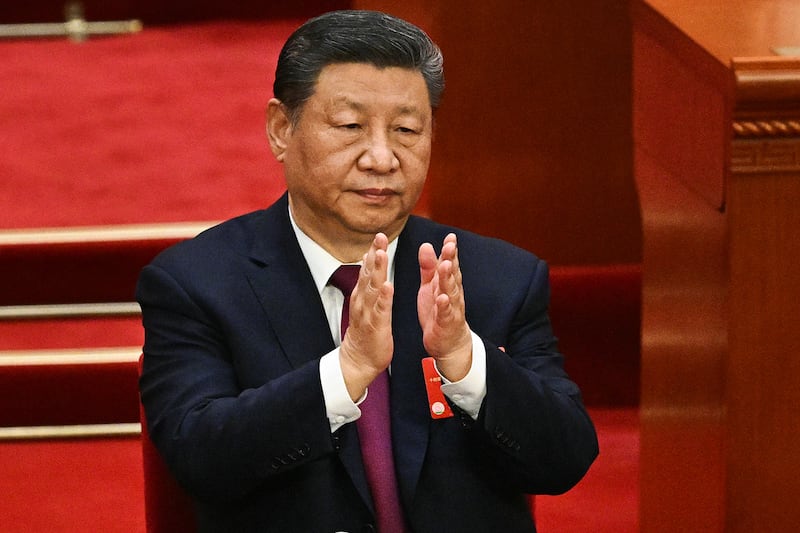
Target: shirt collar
322, 264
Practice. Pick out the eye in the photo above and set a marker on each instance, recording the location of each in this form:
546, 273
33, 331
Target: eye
403, 129
350, 126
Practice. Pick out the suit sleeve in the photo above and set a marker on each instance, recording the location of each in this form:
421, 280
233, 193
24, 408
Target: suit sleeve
533, 422
220, 439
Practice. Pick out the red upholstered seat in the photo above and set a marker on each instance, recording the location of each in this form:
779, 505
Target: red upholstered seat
168, 508
596, 315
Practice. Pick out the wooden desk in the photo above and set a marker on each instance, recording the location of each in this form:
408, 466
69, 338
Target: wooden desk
717, 166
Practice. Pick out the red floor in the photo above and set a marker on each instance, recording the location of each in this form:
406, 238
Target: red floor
73, 486
607, 499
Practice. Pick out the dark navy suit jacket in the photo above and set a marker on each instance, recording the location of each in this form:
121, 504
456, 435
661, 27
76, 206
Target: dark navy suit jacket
234, 332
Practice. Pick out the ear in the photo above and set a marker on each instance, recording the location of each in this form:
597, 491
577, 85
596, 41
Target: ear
279, 128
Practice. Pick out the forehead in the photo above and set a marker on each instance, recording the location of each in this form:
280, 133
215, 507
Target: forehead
362, 85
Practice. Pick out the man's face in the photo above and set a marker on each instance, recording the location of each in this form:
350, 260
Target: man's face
356, 160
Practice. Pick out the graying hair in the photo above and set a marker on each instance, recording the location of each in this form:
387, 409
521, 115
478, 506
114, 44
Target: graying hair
353, 36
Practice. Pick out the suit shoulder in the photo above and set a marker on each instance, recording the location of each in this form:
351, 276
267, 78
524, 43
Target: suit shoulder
229, 236
469, 242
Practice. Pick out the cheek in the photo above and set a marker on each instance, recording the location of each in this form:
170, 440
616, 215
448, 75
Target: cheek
329, 154
417, 164
422, 150
314, 165
415, 190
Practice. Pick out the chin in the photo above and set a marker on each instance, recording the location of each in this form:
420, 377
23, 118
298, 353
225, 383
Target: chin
374, 226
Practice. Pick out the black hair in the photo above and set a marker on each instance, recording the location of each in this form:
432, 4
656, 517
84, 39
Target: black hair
353, 36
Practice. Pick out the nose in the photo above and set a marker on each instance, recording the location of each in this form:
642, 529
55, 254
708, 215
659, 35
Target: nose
378, 156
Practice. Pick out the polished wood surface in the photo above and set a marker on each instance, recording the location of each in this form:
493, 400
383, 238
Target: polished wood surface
717, 166
735, 28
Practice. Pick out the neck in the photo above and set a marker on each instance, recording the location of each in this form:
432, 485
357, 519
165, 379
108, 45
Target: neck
345, 246
345, 250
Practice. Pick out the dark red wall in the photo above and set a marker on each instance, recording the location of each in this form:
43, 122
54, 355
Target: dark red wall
533, 140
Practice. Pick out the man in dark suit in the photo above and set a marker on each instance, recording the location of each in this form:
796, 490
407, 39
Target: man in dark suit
258, 394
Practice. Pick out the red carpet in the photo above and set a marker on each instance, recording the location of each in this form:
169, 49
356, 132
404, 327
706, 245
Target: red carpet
139, 128
70, 333
71, 486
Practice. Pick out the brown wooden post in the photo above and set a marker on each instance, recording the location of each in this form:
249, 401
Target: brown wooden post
717, 165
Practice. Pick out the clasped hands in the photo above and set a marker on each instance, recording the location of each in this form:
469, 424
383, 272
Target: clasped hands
368, 345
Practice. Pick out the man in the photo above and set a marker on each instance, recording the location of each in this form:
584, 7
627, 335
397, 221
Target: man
255, 402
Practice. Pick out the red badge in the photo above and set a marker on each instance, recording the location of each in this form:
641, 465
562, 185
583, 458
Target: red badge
437, 403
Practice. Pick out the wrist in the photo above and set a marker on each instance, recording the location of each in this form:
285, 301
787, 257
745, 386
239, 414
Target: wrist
455, 365
357, 377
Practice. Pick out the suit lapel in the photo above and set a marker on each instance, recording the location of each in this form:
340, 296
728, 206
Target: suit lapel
286, 290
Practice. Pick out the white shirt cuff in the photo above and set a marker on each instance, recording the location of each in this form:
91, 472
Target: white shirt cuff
340, 408
468, 393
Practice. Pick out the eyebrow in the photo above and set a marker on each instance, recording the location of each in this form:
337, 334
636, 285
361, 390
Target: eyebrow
357, 106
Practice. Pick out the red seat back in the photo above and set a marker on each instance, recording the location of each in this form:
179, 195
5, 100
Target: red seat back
168, 508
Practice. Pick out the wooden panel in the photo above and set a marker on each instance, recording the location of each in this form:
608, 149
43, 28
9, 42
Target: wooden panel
679, 97
721, 296
764, 375
683, 355
763, 395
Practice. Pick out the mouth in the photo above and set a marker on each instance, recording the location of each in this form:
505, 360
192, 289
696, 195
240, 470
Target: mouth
376, 195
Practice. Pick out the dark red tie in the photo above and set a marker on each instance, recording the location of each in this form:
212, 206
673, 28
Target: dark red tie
374, 428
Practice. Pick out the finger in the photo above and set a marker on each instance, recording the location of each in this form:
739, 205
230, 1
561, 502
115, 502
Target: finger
373, 275
449, 246
448, 251
444, 309
365, 274
427, 262
383, 305
380, 272
380, 242
380, 260
449, 282
456, 265
448, 318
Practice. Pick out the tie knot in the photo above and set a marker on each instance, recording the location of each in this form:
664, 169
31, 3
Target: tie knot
345, 278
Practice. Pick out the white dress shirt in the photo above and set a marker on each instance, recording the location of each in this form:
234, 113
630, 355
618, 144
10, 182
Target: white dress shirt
467, 393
